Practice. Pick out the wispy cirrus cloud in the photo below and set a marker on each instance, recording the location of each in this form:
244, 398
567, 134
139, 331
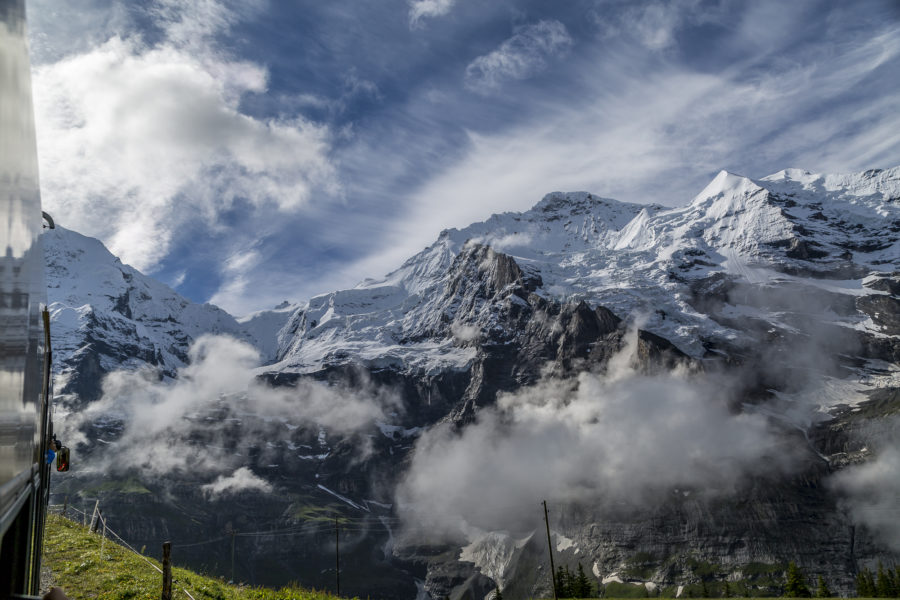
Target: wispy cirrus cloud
521, 56
654, 25
198, 22
658, 137
238, 270
425, 9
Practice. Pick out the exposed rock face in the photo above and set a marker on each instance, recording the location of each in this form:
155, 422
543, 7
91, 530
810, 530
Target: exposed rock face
884, 311
788, 284
884, 282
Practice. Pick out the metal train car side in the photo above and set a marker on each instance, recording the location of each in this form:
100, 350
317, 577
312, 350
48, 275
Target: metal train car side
24, 338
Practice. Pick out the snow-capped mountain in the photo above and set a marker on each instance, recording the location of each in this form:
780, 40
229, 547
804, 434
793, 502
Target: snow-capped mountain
106, 315
831, 236
788, 278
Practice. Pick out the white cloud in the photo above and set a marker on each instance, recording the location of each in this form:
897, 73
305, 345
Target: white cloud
520, 57
56, 30
137, 141
507, 243
241, 480
197, 22
424, 9
465, 333
176, 426
617, 436
871, 492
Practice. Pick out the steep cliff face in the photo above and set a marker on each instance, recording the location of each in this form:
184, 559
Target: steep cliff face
788, 286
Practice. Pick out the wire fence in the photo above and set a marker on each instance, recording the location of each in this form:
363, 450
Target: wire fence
309, 527
64, 509
345, 524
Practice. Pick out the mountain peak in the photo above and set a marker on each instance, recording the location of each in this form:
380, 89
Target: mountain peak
726, 184
566, 201
792, 174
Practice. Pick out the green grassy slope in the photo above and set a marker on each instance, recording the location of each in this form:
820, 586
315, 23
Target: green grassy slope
73, 556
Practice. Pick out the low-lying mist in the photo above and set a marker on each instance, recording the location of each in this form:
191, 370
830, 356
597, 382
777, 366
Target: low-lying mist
207, 420
617, 436
870, 491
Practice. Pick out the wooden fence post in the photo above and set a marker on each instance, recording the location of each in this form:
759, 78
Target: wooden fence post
95, 521
103, 541
167, 571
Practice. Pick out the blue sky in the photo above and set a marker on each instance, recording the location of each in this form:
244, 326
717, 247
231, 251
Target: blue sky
255, 151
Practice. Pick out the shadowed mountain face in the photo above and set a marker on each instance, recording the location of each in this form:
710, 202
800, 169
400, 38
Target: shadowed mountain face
702, 393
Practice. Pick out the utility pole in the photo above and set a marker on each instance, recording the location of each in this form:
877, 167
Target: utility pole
550, 547
337, 555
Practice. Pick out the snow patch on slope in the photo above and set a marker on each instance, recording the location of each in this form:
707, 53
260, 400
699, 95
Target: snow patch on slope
492, 553
263, 328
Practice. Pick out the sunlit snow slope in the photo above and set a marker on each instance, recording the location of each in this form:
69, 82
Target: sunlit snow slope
826, 236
